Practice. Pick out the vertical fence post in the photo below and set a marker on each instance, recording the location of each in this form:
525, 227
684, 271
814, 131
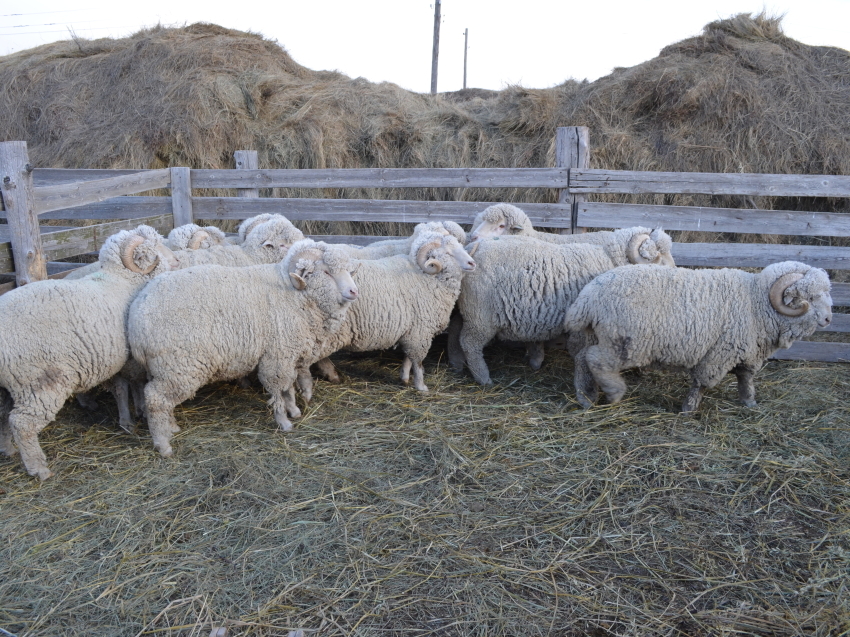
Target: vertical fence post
247, 160
181, 196
572, 150
19, 200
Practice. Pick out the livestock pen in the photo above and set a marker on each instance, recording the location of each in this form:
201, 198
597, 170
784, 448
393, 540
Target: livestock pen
471, 510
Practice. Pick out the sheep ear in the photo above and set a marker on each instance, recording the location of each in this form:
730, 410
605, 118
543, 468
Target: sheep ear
516, 228
297, 282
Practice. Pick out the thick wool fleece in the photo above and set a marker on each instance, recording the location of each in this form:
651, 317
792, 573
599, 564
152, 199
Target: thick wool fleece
708, 322
60, 337
521, 291
506, 219
250, 223
211, 323
267, 242
179, 237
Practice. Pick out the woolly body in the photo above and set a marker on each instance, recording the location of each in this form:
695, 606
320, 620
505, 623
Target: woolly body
521, 291
61, 337
391, 247
191, 236
186, 337
709, 322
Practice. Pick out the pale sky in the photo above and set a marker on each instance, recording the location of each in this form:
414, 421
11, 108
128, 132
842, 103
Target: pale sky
535, 43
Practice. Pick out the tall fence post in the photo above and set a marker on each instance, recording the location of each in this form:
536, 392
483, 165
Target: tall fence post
572, 150
19, 201
247, 160
181, 196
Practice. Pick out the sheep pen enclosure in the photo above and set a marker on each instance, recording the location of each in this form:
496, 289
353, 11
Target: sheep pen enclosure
486, 511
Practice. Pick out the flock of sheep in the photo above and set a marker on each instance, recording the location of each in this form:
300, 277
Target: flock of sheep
159, 318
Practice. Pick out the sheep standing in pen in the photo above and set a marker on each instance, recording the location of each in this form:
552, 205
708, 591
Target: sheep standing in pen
520, 277
212, 323
60, 337
709, 322
404, 300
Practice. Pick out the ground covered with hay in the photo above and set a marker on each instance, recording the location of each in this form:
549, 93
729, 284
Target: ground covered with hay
503, 510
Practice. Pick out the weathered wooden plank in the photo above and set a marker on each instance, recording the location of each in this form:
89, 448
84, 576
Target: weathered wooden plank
841, 294
181, 196
382, 178
351, 239
641, 182
623, 215
70, 243
4, 231
55, 176
815, 351
758, 255
49, 198
116, 208
19, 203
405, 211
572, 150
247, 160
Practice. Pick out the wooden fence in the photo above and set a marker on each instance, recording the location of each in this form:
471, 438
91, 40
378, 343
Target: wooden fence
66, 194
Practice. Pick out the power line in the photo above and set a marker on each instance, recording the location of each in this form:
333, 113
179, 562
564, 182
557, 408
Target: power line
9, 15
128, 26
45, 24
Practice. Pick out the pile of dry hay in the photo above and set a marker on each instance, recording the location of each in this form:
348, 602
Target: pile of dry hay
470, 511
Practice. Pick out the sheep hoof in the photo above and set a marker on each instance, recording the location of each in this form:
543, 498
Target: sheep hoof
535, 364
294, 413
423, 388
175, 429
165, 450
749, 403
128, 426
285, 426
42, 473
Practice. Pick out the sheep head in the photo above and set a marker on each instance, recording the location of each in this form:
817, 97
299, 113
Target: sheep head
271, 239
430, 252
803, 289
249, 224
650, 248
140, 251
309, 264
499, 219
193, 237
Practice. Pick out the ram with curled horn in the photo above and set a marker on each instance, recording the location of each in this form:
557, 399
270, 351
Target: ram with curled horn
708, 322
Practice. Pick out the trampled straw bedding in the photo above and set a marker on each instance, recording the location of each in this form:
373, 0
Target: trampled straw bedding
503, 510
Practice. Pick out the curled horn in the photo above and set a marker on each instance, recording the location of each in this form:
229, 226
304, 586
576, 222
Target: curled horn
777, 294
471, 252
197, 239
127, 251
431, 266
633, 250
298, 281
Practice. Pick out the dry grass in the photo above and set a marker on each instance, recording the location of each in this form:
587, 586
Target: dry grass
469, 511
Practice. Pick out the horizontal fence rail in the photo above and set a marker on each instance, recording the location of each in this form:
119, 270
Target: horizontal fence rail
637, 182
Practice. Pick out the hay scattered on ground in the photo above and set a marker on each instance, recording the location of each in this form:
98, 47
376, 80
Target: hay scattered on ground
469, 511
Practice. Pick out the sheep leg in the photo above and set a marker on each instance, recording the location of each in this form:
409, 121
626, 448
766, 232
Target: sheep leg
160, 400
587, 391
535, 352
120, 389
328, 371
456, 358
692, 400
415, 351
606, 372
304, 381
7, 446
472, 342
289, 401
85, 400
137, 391
418, 373
746, 387
405, 370
25, 428
281, 401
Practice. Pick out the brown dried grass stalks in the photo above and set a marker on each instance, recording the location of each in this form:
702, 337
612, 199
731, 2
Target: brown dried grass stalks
470, 511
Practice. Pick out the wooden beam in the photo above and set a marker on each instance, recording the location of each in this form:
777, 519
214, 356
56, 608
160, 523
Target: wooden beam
405, 211
641, 182
181, 196
382, 178
49, 198
54, 176
841, 294
19, 203
247, 160
840, 323
758, 255
623, 215
815, 351
572, 151
116, 208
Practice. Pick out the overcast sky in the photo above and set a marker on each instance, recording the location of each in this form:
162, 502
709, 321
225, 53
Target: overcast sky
536, 43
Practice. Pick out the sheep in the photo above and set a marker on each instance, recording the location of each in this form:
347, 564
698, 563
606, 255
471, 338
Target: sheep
404, 300
211, 323
521, 292
709, 322
390, 247
60, 337
194, 237
249, 224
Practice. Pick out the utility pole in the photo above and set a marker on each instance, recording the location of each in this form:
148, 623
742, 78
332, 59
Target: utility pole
436, 52
465, 46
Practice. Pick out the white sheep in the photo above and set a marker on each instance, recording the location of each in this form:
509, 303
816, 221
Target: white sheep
390, 247
211, 323
709, 322
404, 300
60, 337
